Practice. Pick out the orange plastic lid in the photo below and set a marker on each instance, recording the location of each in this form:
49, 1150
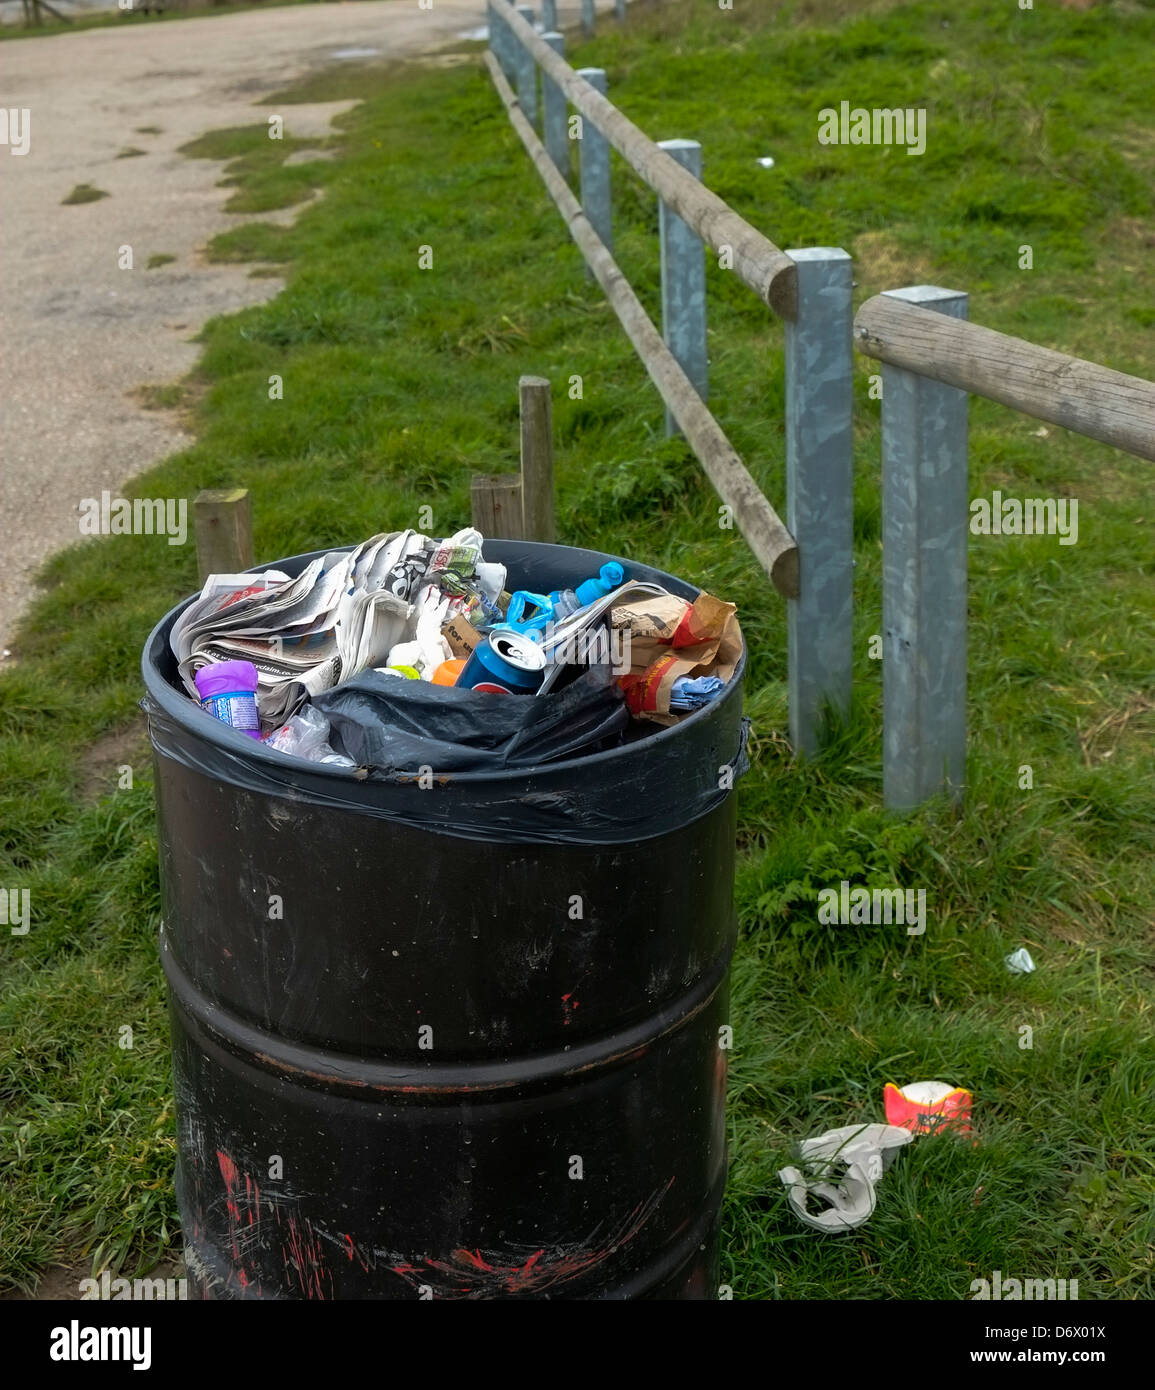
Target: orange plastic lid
448, 671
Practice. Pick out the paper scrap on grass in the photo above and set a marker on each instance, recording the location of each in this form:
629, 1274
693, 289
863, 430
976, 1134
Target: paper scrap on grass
840, 1168
1019, 962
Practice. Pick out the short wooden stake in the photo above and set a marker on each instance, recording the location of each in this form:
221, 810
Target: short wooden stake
496, 504
223, 522
537, 459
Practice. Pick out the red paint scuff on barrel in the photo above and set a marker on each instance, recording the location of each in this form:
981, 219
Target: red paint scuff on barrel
458, 1276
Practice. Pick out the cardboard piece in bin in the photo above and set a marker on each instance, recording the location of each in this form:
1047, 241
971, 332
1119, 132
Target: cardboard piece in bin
461, 635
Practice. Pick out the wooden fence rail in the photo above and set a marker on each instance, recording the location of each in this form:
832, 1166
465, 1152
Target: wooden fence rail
1082, 396
762, 527
809, 557
757, 262
931, 360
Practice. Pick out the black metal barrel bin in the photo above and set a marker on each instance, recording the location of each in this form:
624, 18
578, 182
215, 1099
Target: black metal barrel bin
421, 1051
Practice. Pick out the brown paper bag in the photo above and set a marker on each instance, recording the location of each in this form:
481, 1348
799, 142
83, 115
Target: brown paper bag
669, 638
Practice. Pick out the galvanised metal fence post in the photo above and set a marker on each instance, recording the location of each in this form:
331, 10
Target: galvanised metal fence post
620, 8
526, 72
553, 112
498, 37
683, 281
820, 491
924, 576
588, 18
594, 167
549, 15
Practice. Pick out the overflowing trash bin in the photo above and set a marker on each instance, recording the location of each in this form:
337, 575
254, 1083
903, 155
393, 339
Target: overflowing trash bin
448, 960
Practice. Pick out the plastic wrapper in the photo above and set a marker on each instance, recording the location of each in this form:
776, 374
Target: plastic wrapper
306, 736
428, 649
690, 693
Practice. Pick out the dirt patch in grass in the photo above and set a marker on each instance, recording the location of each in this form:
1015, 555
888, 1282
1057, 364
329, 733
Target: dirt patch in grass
61, 1283
880, 263
102, 765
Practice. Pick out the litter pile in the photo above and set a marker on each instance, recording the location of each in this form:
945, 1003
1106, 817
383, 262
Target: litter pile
391, 655
832, 1187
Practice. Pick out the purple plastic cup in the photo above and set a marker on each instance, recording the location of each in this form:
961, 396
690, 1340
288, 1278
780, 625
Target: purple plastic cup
228, 691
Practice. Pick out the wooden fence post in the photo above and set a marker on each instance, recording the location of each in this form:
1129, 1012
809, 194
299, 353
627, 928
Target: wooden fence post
820, 492
553, 112
526, 66
683, 281
495, 500
924, 576
223, 523
537, 459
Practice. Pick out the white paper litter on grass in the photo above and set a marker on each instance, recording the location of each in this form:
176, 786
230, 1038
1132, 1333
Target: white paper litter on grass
1019, 962
841, 1167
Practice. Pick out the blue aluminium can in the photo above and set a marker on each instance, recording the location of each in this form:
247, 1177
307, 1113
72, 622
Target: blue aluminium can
504, 663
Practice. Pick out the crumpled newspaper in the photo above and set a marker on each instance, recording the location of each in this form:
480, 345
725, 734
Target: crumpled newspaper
841, 1167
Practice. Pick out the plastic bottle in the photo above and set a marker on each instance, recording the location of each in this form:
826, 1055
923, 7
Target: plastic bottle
552, 608
611, 576
228, 691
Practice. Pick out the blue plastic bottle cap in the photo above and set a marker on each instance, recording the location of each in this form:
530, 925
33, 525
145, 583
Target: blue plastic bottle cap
610, 577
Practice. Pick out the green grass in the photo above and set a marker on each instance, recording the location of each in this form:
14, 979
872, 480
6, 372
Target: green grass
256, 167
84, 193
398, 383
160, 258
